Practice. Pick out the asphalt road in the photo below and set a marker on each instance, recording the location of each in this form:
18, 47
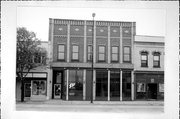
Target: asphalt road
91, 108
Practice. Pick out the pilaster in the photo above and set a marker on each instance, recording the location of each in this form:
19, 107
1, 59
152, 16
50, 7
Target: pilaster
108, 85
68, 42
67, 84
120, 85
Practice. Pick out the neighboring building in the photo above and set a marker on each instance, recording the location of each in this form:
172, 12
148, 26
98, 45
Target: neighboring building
35, 87
71, 47
149, 67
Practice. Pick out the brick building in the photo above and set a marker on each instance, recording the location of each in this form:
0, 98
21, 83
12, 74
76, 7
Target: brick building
70, 73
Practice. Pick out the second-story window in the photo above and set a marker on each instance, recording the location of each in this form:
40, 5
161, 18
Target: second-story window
89, 53
61, 52
75, 52
144, 59
37, 58
127, 54
114, 54
101, 53
156, 59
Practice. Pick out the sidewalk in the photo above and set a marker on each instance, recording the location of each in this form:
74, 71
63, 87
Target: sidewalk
97, 106
63, 102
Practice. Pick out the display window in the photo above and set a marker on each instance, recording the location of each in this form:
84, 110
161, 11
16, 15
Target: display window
38, 87
75, 85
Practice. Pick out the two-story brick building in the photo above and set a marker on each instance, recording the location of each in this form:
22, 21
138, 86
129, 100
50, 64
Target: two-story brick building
149, 67
73, 46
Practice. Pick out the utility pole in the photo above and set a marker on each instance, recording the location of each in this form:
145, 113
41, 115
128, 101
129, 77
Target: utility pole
93, 15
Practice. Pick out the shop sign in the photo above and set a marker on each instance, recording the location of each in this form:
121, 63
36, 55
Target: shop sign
42, 75
152, 80
161, 87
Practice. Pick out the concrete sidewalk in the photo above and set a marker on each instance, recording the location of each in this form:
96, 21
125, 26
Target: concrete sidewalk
97, 106
63, 102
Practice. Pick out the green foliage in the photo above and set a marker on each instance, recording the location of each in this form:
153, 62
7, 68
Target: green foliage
27, 47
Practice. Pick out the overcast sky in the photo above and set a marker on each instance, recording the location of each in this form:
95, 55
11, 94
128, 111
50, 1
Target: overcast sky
148, 21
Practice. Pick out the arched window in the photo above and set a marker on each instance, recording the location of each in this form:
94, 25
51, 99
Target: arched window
156, 59
144, 59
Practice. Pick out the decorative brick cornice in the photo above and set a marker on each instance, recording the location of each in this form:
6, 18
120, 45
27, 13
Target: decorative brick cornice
60, 35
76, 36
90, 22
71, 22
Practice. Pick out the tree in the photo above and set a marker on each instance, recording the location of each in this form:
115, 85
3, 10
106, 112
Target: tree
27, 47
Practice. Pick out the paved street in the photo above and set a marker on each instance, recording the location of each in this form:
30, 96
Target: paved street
123, 107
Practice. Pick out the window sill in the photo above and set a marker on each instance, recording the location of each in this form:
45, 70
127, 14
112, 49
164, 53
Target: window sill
127, 62
60, 60
74, 60
114, 61
157, 67
144, 66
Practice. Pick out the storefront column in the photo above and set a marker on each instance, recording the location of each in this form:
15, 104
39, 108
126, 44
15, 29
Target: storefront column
120, 85
49, 84
94, 85
84, 84
132, 85
67, 84
108, 85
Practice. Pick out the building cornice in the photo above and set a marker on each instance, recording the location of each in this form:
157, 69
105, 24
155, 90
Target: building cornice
90, 22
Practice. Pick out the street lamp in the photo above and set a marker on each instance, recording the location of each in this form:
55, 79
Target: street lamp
93, 15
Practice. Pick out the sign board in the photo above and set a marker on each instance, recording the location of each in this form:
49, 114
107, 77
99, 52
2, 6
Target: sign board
40, 75
152, 80
161, 87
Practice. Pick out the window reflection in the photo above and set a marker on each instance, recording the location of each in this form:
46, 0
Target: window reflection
39, 87
101, 85
75, 85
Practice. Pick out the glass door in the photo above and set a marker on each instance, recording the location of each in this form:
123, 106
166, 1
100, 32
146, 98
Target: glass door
27, 89
57, 90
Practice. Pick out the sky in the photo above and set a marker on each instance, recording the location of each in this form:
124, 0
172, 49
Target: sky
149, 22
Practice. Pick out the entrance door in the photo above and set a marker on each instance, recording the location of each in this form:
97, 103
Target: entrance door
27, 89
58, 84
152, 91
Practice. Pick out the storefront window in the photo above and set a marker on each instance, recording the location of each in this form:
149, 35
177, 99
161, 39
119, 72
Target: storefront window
126, 85
141, 91
39, 87
115, 85
75, 85
101, 85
